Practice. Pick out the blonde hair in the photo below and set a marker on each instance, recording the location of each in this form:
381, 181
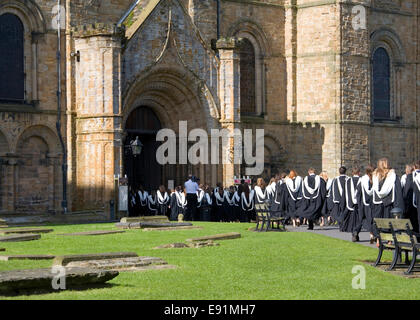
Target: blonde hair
382, 169
261, 182
324, 175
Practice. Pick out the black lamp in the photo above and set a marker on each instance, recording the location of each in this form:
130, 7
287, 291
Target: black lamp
136, 146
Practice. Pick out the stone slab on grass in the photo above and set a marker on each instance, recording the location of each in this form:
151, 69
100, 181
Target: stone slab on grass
173, 228
92, 233
149, 225
199, 244
2, 249
123, 264
161, 219
222, 236
66, 259
27, 257
20, 237
16, 281
25, 230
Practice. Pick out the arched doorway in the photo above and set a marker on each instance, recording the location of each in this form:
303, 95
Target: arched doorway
143, 169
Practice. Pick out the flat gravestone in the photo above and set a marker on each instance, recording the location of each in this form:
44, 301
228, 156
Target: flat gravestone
66, 259
41, 279
198, 244
20, 237
123, 264
2, 249
145, 219
26, 230
92, 233
223, 236
27, 257
173, 228
144, 225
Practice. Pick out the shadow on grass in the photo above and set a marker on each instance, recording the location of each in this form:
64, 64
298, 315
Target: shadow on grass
38, 291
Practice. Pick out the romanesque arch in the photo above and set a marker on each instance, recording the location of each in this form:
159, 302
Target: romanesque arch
37, 185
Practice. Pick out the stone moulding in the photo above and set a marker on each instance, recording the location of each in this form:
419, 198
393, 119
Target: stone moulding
98, 29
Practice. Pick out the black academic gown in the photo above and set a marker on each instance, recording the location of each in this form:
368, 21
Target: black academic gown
364, 210
247, 210
162, 206
152, 205
218, 209
410, 211
350, 212
293, 200
382, 208
338, 199
328, 203
176, 208
229, 206
312, 203
416, 202
204, 208
279, 200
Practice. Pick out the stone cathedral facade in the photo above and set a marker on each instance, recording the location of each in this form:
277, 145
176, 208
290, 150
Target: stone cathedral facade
326, 93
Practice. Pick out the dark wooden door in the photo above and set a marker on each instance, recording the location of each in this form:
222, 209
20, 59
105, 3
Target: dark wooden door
143, 169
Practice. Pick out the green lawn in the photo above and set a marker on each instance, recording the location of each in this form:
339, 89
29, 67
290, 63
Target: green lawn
272, 265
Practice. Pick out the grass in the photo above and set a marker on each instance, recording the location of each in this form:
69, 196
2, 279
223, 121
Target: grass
258, 266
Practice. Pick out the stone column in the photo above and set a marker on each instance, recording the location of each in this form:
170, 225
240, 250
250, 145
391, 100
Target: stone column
229, 86
98, 114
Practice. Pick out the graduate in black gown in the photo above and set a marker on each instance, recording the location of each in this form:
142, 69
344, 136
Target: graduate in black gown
326, 210
338, 196
152, 204
350, 213
229, 204
247, 207
163, 201
416, 194
218, 212
407, 184
293, 196
261, 197
237, 204
142, 197
364, 207
205, 203
271, 190
279, 200
387, 191
132, 204
313, 195
178, 203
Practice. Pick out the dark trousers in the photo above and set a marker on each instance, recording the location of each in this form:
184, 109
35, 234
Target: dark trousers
310, 224
191, 213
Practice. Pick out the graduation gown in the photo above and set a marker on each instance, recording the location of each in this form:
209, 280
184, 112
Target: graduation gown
132, 205
229, 206
152, 205
293, 196
204, 205
416, 198
328, 203
364, 208
352, 199
387, 194
279, 200
247, 207
178, 205
313, 195
163, 203
338, 198
218, 210
408, 187
141, 199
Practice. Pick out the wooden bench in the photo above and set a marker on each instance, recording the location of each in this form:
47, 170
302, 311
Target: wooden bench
397, 235
265, 218
405, 240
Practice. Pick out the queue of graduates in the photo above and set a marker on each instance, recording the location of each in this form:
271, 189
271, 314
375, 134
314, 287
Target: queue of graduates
352, 199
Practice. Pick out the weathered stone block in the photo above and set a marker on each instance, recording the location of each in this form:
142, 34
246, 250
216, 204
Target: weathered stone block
66, 259
92, 233
223, 236
26, 230
19, 237
27, 257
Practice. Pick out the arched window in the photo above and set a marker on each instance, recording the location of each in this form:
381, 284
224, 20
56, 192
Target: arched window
12, 79
247, 69
381, 84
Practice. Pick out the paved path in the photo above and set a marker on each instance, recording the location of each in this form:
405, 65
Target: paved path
334, 232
